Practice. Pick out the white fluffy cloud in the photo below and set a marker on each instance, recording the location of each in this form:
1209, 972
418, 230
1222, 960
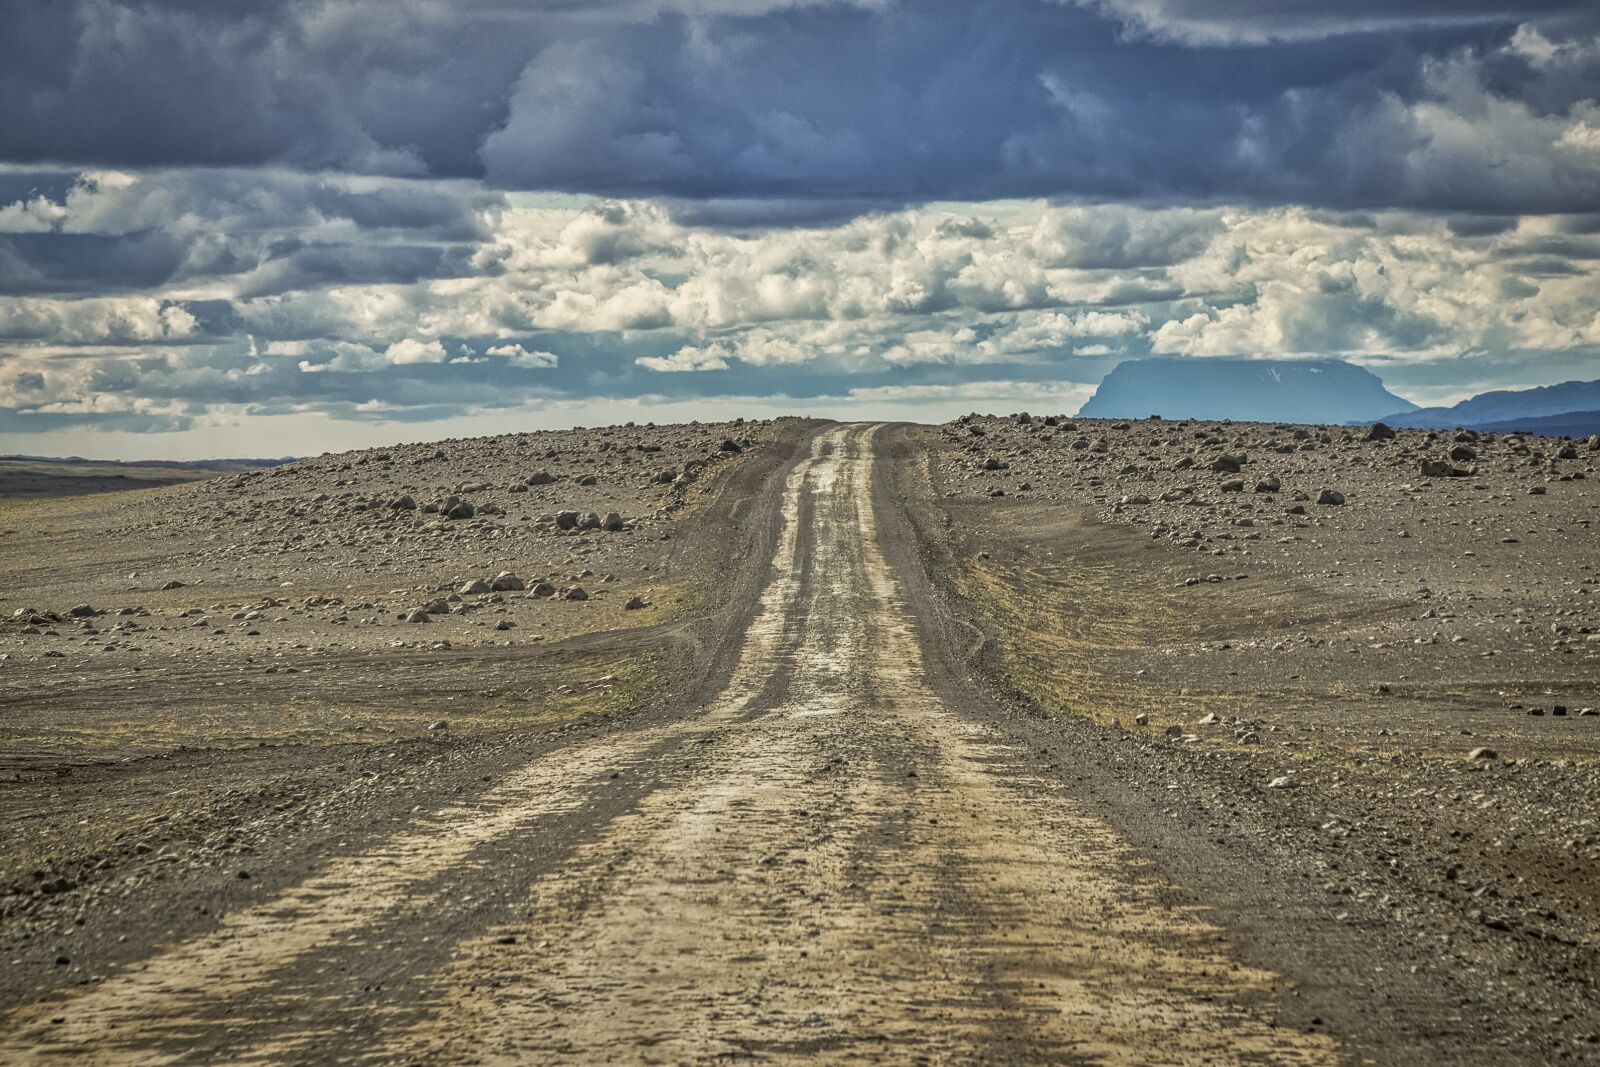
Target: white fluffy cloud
689, 358
94, 320
411, 350
518, 356
590, 293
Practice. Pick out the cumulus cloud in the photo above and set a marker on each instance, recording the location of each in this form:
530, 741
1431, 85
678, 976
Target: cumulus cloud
689, 358
517, 356
100, 320
621, 298
411, 350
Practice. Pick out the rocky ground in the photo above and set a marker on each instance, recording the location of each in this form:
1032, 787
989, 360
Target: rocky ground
1376, 651
495, 542
1012, 740
201, 666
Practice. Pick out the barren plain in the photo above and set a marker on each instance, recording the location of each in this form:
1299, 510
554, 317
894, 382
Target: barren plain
1018, 739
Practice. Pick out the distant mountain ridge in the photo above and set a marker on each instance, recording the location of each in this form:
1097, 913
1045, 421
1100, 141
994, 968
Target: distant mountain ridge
1568, 424
1247, 390
1569, 408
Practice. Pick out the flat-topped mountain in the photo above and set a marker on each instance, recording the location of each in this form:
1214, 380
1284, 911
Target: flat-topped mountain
1253, 390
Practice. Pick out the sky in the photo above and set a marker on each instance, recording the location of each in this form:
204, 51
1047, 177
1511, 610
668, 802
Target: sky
281, 227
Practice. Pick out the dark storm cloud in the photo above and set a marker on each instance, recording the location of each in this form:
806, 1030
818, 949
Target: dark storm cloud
734, 103
85, 263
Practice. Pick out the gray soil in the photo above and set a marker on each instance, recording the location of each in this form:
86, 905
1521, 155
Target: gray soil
862, 782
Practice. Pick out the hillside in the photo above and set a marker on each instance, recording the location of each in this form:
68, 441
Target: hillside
1506, 409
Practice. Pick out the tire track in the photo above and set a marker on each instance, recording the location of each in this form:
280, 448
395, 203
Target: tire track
179, 1000
856, 876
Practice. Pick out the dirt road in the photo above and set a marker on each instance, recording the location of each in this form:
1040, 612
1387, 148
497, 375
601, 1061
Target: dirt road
827, 862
